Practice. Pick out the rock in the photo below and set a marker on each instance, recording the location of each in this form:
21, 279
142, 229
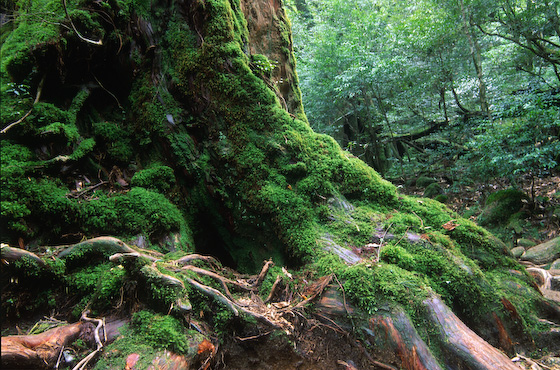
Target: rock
517, 252
555, 283
555, 265
502, 207
433, 190
527, 243
546, 252
424, 181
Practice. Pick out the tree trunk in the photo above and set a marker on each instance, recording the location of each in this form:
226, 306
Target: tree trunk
477, 59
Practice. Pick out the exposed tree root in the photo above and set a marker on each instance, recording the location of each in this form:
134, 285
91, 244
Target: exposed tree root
463, 345
39, 351
405, 347
11, 254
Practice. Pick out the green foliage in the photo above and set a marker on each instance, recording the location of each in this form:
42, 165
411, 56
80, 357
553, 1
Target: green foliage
260, 64
512, 146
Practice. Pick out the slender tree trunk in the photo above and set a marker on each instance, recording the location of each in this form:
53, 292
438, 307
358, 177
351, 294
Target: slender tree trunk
477, 59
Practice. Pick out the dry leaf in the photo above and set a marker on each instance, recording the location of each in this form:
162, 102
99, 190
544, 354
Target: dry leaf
450, 226
205, 346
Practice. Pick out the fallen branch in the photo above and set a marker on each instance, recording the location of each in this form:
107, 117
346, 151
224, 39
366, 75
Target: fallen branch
252, 337
117, 257
221, 279
151, 272
38, 351
193, 257
105, 244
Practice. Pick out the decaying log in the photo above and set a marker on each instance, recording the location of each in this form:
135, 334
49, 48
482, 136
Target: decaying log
39, 351
464, 347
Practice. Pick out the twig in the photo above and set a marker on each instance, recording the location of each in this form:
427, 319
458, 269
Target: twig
421, 222
252, 337
37, 96
110, 93
59, 357
89, 188
98, 43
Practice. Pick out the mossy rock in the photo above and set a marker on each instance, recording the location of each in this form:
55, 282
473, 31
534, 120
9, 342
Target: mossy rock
423, 181
501, 206
517, 252
433, 190
543, 253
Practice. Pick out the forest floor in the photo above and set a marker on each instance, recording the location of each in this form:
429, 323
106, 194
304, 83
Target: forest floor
542, 222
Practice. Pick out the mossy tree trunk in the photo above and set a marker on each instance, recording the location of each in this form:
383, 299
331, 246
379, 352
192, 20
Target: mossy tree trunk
184, 132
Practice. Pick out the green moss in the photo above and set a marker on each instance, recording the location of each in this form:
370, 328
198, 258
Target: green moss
501, 205
161, 332
159, 178
113, 138
423, 181
98, 285
261, 65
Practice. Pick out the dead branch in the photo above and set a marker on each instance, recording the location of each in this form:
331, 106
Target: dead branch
101, 243
117, 257
37, 96
263, 272
316, 289
273, 289
221, 279
88, 189
152, 272
252, 337
38, 351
